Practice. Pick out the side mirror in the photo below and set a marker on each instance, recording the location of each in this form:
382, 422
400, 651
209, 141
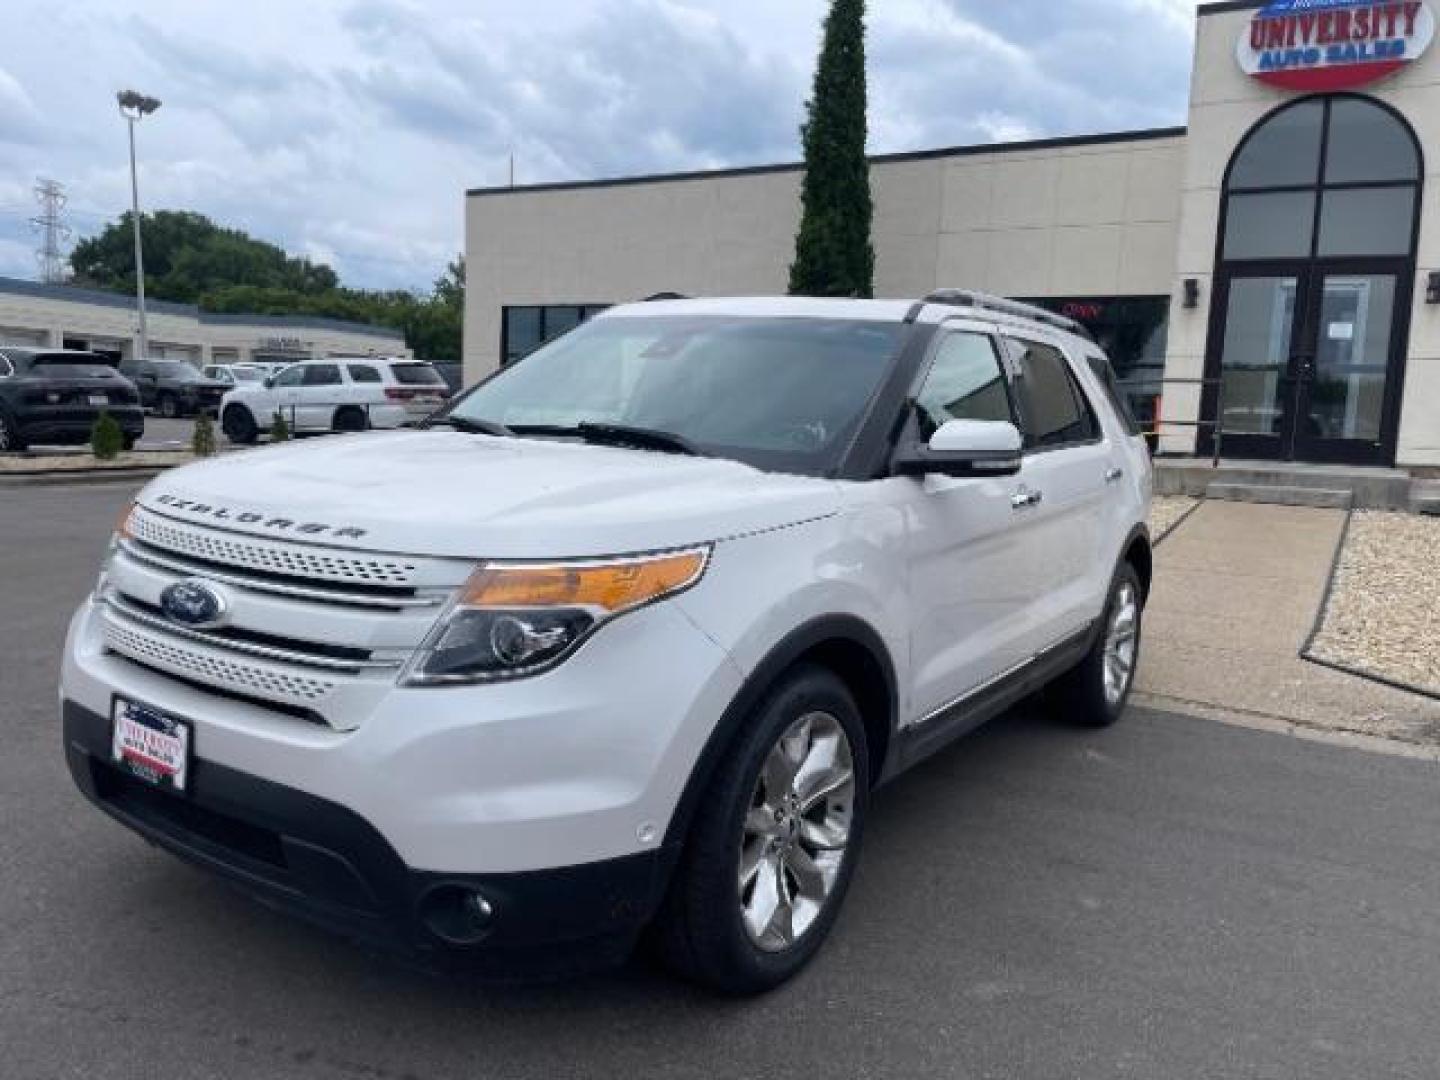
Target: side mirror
965, 448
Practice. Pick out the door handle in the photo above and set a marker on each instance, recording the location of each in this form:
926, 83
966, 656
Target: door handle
1114, 475
1024, 500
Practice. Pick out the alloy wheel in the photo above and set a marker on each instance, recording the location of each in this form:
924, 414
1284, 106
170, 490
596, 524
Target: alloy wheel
1121, 638
796, 832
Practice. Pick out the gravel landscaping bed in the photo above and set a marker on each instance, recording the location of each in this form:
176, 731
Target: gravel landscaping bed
1166, 512
1384, 612
20, 464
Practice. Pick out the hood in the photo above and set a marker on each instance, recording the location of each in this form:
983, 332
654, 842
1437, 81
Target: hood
446, 493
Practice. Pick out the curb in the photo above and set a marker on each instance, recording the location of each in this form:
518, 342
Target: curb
1186, 516
73, 477
1318, 626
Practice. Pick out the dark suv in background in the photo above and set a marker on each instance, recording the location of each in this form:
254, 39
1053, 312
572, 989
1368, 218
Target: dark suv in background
55, 395
174, 388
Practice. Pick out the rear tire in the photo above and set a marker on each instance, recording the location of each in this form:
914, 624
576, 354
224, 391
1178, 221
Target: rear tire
239, 426
772, 850
10, 439
348, 418
1095, 692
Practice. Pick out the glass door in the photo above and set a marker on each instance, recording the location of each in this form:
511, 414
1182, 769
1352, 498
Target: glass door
1257, 335
1343, 373
1309, 360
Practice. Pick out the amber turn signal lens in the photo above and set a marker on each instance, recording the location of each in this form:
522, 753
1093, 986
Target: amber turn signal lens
122, 526
612, 586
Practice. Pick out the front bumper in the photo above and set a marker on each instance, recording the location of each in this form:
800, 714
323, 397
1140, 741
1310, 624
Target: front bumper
321, 862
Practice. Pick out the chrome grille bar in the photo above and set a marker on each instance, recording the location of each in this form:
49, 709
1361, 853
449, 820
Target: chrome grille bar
247, 648
143, 553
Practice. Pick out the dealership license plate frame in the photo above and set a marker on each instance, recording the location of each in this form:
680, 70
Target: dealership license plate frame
99, 399
151, 745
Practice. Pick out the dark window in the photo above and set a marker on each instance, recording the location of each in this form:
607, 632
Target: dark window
1056, 412
1364, 148
1106, 374
965, 382
1132, 332
1285, 152
363, 373
525, 329
1270, 225
321, 375
291, 376
1349, 157
1367, 221
416, 375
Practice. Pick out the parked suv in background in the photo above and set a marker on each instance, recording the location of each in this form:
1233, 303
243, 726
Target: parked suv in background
626, 637
56, 395
174, 388
335, 394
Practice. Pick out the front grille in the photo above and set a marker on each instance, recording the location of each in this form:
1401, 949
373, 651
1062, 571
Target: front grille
275, 557
243, 675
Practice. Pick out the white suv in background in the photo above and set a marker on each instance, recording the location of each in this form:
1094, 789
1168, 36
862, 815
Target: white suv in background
626, 638
338, 393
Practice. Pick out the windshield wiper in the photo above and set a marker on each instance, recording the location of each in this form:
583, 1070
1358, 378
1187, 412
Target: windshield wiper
637, 438
473, 427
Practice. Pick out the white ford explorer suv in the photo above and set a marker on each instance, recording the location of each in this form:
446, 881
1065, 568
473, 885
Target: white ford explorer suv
335, 394
626, 639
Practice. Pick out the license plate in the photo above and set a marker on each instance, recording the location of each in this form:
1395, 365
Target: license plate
150, 745
99, 399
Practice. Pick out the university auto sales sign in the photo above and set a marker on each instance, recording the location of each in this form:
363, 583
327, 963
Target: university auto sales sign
1325, 45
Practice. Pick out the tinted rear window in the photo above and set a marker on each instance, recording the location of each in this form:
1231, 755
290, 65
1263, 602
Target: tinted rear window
416, 375
67, 360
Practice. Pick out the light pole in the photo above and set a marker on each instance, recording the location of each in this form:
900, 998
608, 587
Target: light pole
133, 106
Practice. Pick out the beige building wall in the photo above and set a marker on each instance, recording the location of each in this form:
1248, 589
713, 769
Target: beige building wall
1225, 104
1091, 218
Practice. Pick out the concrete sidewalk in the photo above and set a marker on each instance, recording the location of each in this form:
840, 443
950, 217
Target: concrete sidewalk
1237, 587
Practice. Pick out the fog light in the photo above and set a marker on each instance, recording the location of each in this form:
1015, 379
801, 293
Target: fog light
457, 914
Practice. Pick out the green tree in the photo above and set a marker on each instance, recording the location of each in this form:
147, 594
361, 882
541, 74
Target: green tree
106, 438
202, 439
190, 259
833, 252
279, 429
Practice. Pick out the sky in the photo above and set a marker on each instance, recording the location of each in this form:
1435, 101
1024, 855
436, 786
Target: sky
349, 130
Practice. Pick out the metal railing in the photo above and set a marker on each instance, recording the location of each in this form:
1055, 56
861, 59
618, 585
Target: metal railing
1217, 424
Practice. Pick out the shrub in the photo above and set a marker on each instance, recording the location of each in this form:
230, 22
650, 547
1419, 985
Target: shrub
279, 429
106, 438
202, 440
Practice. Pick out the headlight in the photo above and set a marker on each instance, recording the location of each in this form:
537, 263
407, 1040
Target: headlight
517, 619
122, 532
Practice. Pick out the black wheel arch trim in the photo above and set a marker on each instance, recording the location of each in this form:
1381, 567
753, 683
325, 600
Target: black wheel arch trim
844, 629
1140, 532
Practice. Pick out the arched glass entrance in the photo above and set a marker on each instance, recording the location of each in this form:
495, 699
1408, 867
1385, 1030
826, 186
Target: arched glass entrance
1314, 277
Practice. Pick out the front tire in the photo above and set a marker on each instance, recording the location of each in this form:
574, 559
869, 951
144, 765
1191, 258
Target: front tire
239, 426
349, 419
1096, 691
773, 848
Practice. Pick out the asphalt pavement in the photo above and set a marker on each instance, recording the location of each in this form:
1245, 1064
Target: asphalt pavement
1172, 898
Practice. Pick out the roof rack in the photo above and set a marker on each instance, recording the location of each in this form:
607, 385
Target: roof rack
665, 296
988, 302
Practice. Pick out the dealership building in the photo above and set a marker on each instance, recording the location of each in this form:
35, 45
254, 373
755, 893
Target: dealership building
1272, 268
60, 316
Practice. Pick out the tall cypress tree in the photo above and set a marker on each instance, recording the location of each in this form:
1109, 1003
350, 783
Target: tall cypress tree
833, 254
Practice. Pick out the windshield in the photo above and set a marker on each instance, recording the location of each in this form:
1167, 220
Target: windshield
781, 394
175, 369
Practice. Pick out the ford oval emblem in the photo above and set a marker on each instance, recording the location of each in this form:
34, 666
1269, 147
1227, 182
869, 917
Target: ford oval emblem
194, 603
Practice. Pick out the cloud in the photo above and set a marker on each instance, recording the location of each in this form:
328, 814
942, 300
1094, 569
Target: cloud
349, 129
